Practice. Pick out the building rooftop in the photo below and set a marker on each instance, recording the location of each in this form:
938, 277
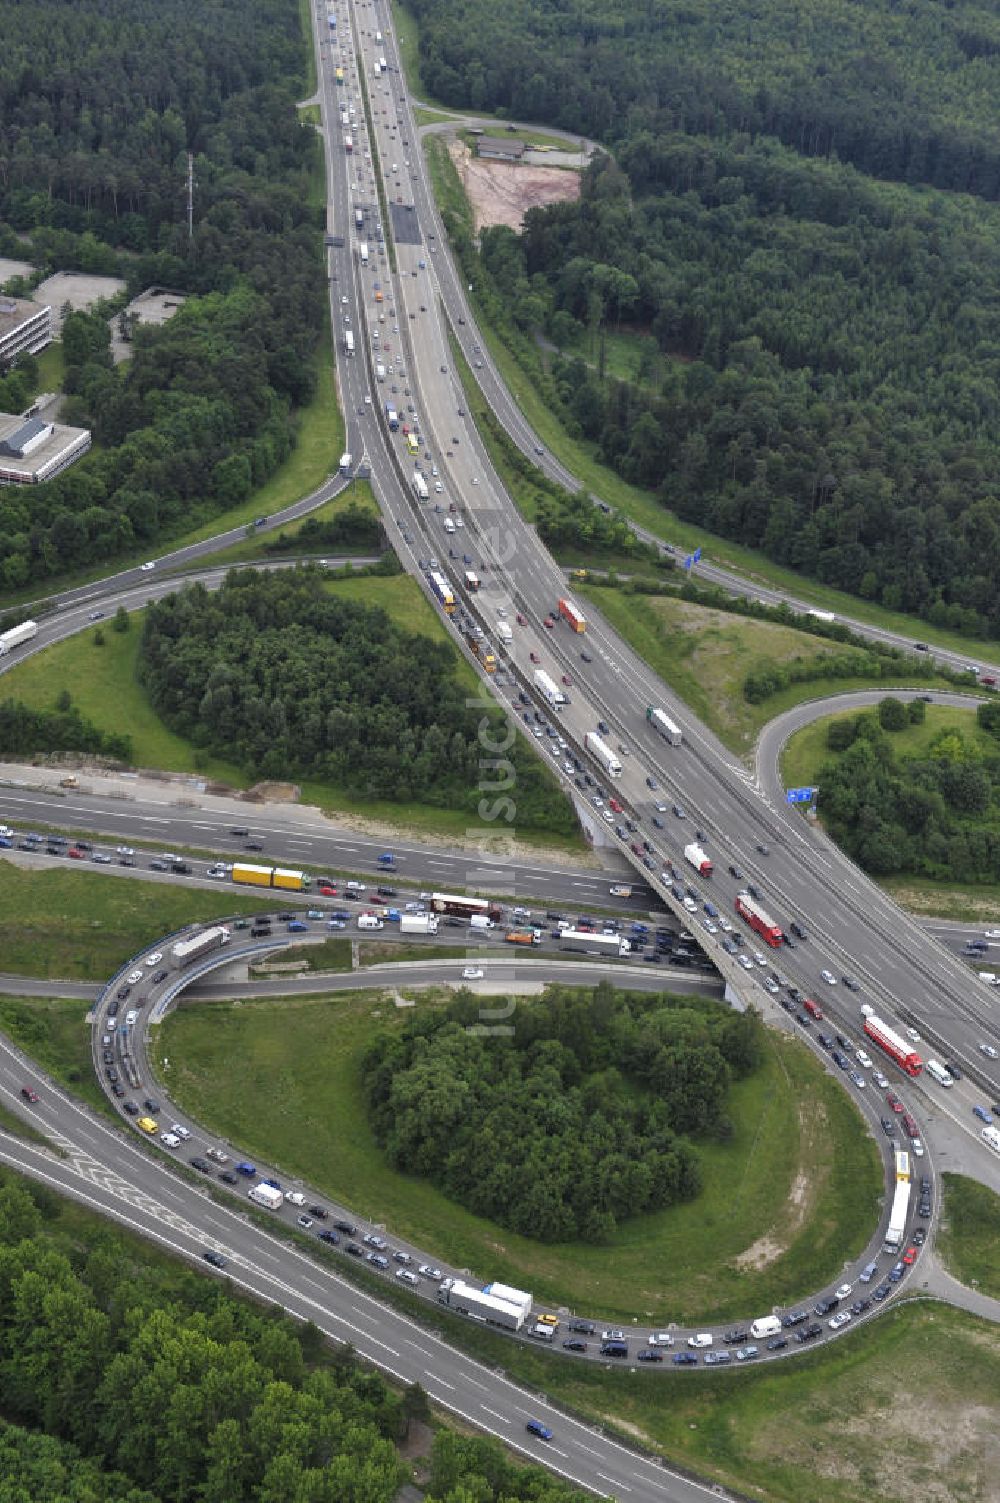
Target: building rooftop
15, 310
500, 146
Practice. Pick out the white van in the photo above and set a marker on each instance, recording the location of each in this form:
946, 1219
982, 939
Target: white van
380, 371
449, 525
480, 921
937, 1072
767, 1325
369, 921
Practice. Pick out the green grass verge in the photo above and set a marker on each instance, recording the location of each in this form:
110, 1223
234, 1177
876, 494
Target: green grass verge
373, 953
968, 1239
408, 44
330, 955
806, 751
56, 1034
784, 1203
433, 117
78, 926
629, 355
705, 654
967, 905
448, 191
11, 1123
103, 683
256, 545
51, 365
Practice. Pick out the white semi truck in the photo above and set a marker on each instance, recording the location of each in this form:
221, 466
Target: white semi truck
466, 1300
197, 945
607, 944
16, 636
548, 688
603, 754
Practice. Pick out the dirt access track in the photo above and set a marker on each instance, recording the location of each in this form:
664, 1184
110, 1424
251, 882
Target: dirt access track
503, 192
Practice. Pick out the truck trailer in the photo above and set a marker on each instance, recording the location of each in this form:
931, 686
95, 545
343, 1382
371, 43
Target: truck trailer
606, 944
504, 633
603, 754
420, 485
418, 923
519, 1298
548, 688
698, 859
271, 876
197, 945
475, 1302
897, 1218
16, 636
266, 1196
661, 722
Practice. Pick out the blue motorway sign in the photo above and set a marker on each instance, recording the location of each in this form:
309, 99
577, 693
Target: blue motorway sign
800, 795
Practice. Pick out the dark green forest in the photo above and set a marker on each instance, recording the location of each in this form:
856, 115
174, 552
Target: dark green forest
276, 673
934, 815
572, 1121
130, 1379
99, 104
829, 319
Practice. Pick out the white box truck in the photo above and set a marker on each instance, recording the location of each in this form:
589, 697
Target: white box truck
602, 754
369, 921
466, 1300
505, 633
767, 1325
418, 923
267, 1196
420, 485
345, 463
699, 859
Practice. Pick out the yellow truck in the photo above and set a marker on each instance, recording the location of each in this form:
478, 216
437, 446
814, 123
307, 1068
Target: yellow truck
271, 876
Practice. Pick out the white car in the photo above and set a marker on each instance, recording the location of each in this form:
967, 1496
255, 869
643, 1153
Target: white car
771, 985
170, 1140
992, 934
867, 1010
295, 1197
725, 926
438, 487
829, 978
146, 567
911, 1033
745, 962
216, 871
703, 1339
179, 1131
863, 1059
406, 1276
988, 1050
707, 924
882, 1081
841, 1318
661, 1338
428, 1271
473, 973
845, 1290
134, 977
690, 905
130, 1017
917, 1147
758, 957
155, 958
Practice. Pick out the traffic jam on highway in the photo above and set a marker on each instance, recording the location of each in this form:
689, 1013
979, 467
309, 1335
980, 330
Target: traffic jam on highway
158, 975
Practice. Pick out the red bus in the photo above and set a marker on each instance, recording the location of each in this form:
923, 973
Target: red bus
896, 1047
759, 920
569, 612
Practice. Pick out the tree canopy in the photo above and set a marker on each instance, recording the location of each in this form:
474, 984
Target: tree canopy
574, 1121
279, 674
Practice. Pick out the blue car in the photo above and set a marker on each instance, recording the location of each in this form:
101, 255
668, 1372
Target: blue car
535, 1427
296, 926
685, 1359
248, 1169
982, 1114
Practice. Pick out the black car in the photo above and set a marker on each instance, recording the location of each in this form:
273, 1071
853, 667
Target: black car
810, 1332
386, 892
160, 976
649, 1355
777, 1343
955, 1071
753, 891
798, 931
582, 1327
132, 1107
123, 992
252, 845
851, 984
575, 1345
202, 1165
152, 1106
229, 1178
320, 1212
111, 1073
354, 1250
764, 849
794, 1318
736, 1337
347, 1229
118, 1089
734, 871
327, 1236
216, 1259
824, 1306
888, 1127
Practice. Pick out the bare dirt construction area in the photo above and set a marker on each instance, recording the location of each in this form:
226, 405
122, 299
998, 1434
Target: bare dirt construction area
503, 192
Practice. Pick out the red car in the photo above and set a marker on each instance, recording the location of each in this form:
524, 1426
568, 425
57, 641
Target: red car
614, 804
328, 892
28, 1093
75, 853
894, 1102
534, 657
547, 623
910, 1256
521, 620
567, 680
